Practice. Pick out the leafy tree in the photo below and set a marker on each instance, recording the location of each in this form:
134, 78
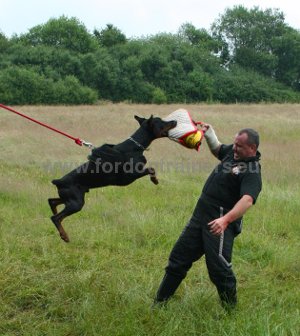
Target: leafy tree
253, 28
153, 59
199, 86
287, 49
249, 35
4, 43
264, 63
61, 33
180, 68
61, 62
132, 85
53, 62
261, 41
101, 71
172, 80
110, 36
199, 37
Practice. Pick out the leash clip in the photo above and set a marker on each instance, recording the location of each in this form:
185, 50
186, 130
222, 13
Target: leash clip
87, 144
81, 142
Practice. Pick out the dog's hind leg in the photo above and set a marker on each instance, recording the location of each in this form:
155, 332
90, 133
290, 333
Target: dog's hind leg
53, 203
72, 205
57, 222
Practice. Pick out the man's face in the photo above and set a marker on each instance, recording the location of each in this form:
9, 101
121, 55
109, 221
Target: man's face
241, 148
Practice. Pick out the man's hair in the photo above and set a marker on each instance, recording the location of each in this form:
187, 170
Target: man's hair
253, 136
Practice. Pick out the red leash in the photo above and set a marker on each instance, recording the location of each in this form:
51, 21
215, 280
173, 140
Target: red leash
77, 140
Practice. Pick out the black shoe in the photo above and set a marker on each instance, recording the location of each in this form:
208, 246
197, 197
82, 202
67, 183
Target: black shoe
228, 307
159, 304
228, 300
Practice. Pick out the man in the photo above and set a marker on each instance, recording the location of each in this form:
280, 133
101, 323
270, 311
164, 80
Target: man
231, 189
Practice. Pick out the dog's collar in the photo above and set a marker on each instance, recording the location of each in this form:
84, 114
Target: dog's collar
137, 143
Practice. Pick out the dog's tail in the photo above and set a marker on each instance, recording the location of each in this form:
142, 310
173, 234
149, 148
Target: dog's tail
57, 182
64, 182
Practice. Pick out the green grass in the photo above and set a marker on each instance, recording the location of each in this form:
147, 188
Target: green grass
103, 282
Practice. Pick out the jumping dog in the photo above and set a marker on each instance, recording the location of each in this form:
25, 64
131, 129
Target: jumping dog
118, 165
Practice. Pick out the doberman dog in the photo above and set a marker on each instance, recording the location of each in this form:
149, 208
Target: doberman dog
118, 165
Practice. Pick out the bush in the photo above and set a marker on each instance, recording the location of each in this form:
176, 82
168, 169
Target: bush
70, 91
159, 96
240, 85
20, 86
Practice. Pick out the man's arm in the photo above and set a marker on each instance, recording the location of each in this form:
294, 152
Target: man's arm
211, 139
219, 225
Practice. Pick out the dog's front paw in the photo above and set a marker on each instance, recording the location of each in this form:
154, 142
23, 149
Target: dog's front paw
154, 179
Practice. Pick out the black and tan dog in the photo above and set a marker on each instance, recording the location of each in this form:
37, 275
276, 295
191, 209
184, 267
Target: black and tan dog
118, 165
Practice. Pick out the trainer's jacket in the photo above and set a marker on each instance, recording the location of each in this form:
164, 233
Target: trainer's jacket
232, 179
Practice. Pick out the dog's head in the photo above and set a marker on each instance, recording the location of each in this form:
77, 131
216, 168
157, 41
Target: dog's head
156, 125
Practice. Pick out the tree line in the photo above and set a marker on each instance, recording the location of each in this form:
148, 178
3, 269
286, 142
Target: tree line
249, 55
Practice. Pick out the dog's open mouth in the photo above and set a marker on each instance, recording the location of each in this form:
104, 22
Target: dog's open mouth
172, 124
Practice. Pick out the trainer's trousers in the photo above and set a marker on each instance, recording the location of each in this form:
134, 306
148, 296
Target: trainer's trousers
195, 241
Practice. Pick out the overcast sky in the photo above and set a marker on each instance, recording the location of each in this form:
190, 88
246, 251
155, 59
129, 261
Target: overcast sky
135, 18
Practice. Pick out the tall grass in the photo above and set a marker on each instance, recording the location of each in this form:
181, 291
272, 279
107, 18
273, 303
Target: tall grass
103, 282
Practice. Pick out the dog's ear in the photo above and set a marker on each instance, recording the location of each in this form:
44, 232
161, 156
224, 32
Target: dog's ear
149, 121
139, 119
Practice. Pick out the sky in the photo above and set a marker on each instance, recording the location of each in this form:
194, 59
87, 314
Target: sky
135, 18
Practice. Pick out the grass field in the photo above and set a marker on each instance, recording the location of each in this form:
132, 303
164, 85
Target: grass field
103, 282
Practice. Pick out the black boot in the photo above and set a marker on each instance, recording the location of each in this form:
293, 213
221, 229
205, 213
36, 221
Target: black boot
167, 288
228, 299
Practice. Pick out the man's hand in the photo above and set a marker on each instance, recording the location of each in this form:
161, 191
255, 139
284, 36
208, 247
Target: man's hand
218, 226
205, 127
